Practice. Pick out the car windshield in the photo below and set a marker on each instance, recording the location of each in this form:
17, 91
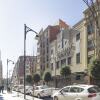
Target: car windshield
44, 87
94, 89
41, 87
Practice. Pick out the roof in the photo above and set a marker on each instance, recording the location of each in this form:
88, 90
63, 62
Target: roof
81, 85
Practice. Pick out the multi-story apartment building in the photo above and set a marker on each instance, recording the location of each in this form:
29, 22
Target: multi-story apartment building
92, 25
58, 51
18, 72
80, 55
45, 37
61, 46
75, 47
14, 79
69, 49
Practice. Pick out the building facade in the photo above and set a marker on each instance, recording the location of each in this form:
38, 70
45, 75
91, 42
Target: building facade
92, 24
18, 72
1, 79
44, 42
61, 45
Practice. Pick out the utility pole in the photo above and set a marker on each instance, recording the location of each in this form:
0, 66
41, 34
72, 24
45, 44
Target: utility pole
26, 30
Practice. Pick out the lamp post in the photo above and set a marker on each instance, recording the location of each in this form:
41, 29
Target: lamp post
55, 74
7, 70
26, 30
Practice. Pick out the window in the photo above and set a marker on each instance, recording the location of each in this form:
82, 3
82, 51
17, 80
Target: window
43, 60
47, 65
78, 58
90, 29
73, 89
47, 41
47, 59
65, 42
77, 36
94, 90
69, 60
52, 51
65, 89
51, 66
41, 67
90, 45
47, 50
57, 65
63, 62
78, 77
76, 89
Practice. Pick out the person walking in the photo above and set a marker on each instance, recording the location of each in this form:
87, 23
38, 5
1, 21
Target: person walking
8, 89
2, 88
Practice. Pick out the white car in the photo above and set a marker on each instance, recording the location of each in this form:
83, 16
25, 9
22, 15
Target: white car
29, 90
78, 92
42, 91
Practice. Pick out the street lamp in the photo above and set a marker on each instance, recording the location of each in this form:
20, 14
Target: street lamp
7, 70
55, 74
26, 30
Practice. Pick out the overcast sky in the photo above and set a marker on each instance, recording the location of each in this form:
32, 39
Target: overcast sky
36, 14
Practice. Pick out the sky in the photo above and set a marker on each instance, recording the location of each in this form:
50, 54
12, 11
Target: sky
36, 14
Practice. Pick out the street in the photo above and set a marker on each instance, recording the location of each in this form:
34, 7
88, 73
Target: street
17, 96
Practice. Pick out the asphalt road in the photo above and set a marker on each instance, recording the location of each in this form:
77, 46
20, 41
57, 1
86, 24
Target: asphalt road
47, 98
1, 97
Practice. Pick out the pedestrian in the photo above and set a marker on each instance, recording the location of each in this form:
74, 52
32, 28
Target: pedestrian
43, 83
8, 89
2, 88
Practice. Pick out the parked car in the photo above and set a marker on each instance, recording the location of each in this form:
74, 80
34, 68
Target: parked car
29, 90
78, 92
20, 88
42, 91
14, 88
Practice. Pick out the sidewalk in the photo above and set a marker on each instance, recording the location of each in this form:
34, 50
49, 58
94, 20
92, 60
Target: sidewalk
15, 96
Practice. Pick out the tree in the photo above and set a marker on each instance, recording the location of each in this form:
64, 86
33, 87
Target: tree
94, 20
36, 78
95, 69
65, 71
29, 78
47, 77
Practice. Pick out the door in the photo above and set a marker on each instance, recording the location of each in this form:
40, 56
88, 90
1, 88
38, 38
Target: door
77, 93
63, 94
73, 93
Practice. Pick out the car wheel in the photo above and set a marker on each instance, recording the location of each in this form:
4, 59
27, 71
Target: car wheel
38, 96
55, 98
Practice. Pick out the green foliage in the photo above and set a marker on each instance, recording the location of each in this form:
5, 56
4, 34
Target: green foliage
47, 77
95, 69
36, 78
65, 71
29, 78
